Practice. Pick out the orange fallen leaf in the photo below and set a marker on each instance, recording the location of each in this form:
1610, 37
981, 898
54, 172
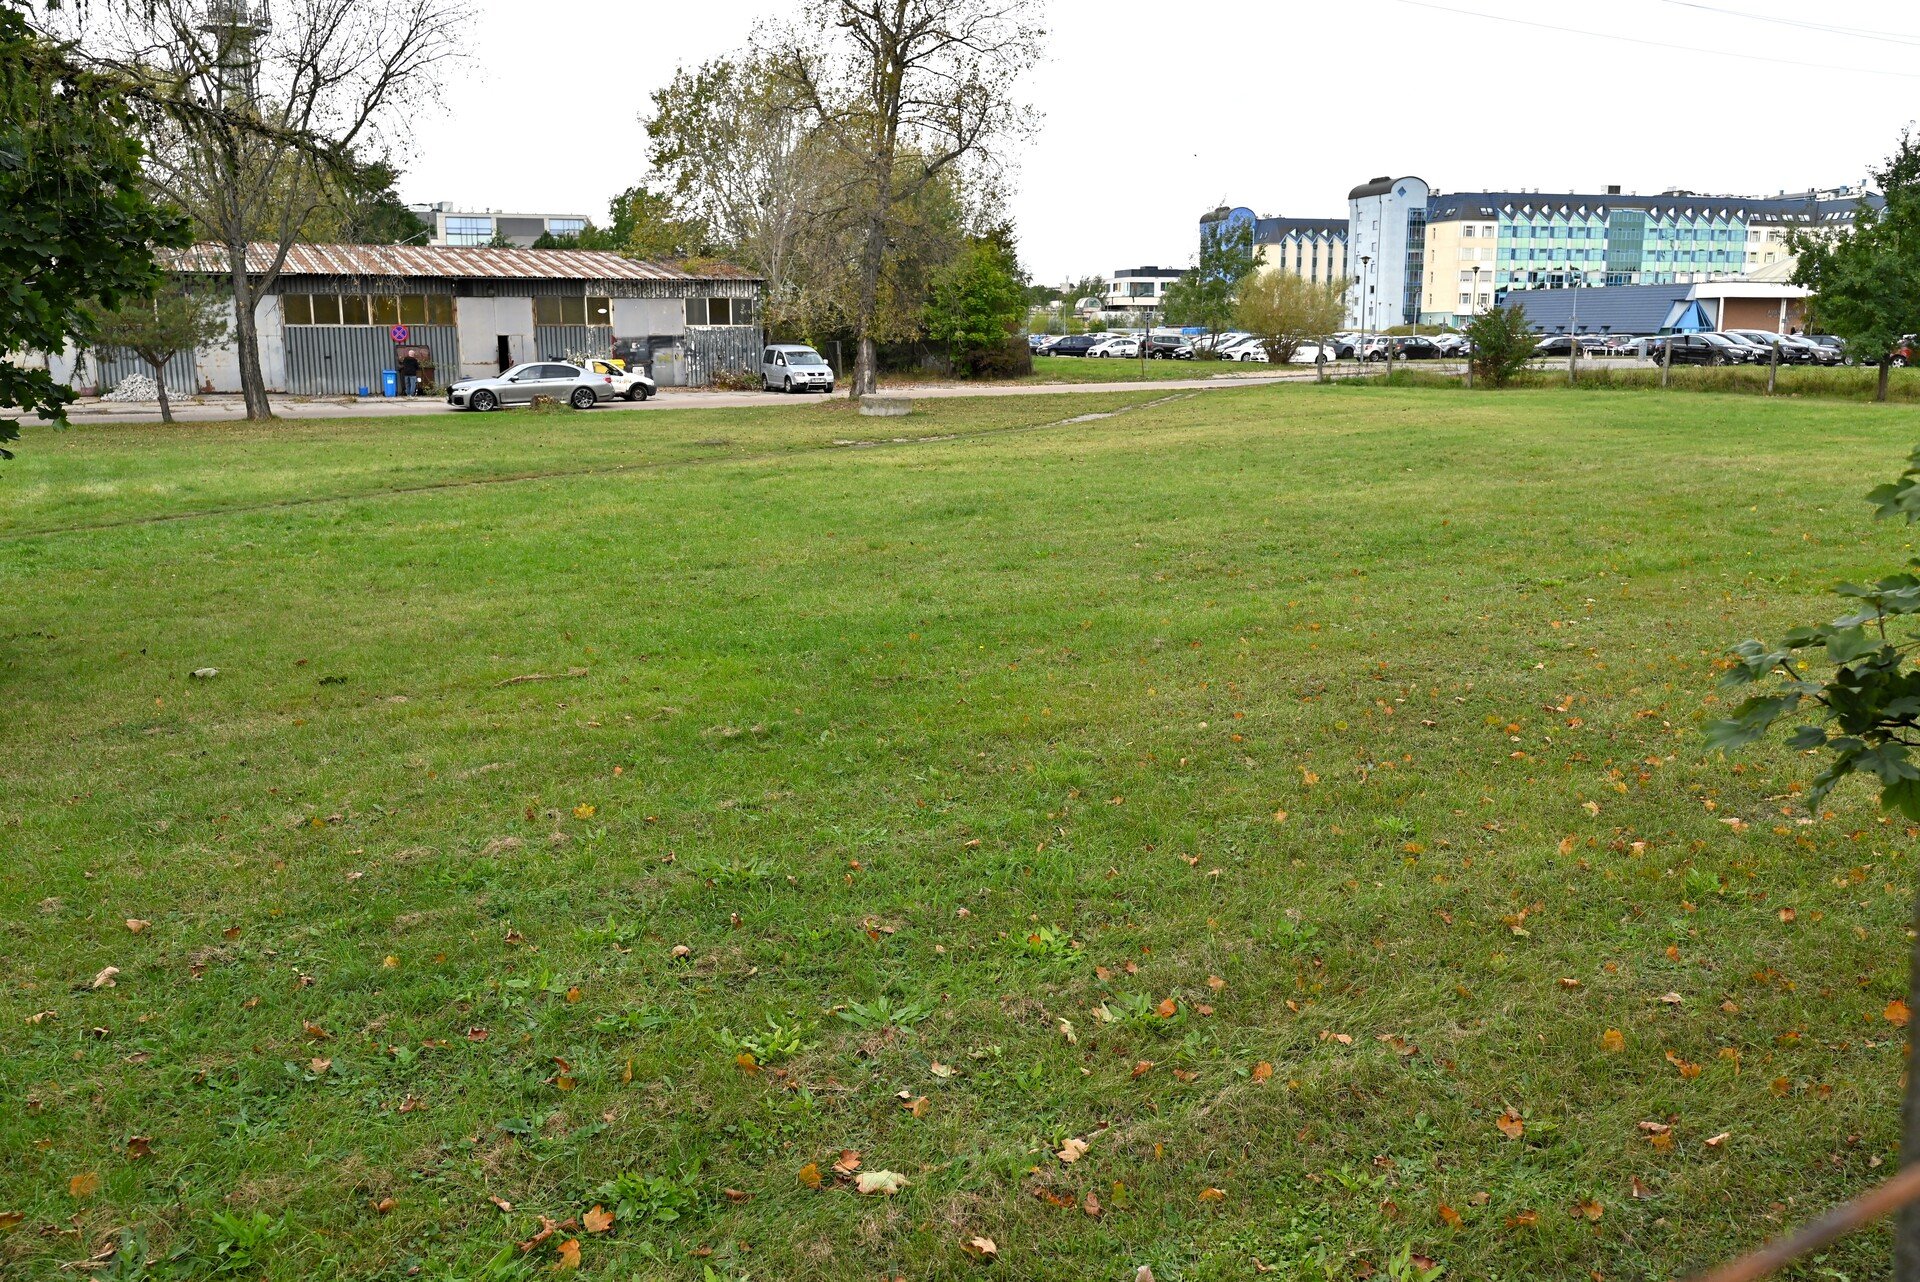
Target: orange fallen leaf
567, 1256
1091, 1206
314, 1030
1716, 1141
1216, 983
736, 1195
384, 1205
1688, 1069
1638, 1189
574, 994
1511, 1124
1525, 1219
137, 924
1263, 1071
319, 1065
598, 1220
10, 1220
809, 1175
1213, 1195
1613, 1041
1449, 1216
1587, 1208
1167, 1009
849, 1162
1142, 1068
85, 1184
1896, 1013
501, 1202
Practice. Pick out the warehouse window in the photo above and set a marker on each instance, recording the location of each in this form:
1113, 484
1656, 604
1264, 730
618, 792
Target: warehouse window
383, 310
572, 311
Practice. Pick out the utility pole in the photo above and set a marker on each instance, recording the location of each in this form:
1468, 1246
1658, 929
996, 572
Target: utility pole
1473, 314
1366, 307
1573, 336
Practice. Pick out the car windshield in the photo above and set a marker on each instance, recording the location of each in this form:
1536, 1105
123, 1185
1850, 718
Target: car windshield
804, 358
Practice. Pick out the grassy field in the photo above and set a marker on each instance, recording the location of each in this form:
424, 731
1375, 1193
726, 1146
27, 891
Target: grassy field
1285, 802
1100, 369
1850, 383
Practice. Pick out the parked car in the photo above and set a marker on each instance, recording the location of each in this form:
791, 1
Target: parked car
1311, 353
1346, 346
1220, 341
1253, 353
1121, 345
1833, 343
519, 385
1076, 344
1416, 347
1749, 351
794, 367
1697, 349
1037, 343
1793, 351
1231, 351
1451, 344
632, 384
1169, 347
1554, 345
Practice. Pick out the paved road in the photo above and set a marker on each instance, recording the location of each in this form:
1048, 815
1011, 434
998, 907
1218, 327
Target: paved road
214, 409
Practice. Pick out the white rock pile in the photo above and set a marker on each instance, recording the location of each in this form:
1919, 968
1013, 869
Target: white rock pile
134, 387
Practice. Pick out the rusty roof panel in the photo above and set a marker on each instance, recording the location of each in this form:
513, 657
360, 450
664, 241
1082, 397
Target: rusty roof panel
447, 262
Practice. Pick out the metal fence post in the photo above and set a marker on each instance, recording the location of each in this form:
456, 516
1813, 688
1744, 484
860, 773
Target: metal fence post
1773, 366
1666, 360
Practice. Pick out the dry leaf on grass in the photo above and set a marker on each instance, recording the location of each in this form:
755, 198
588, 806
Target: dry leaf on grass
567, 1256
981, 1248
598, 1220
883, 1183
1072, 1151
1511, 1124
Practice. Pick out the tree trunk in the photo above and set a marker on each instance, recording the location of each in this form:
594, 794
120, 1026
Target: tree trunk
1906, 1229
866, 374
246, 335
1880, 391
160, 381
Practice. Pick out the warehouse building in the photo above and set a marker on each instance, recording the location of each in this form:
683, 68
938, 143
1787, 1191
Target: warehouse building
338, 315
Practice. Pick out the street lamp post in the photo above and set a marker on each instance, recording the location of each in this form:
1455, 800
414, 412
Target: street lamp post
1366, 306
1473, 311
1573, 334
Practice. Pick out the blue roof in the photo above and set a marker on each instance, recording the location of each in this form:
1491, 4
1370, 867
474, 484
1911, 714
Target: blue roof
1614, 309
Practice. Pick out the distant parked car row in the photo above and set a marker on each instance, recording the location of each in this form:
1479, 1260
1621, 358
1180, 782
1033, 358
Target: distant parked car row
1713, 347
1158, 346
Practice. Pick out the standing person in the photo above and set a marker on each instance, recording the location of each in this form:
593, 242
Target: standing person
410, 375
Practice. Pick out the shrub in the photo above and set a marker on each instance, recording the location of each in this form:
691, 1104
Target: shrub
1502, 344
735, 380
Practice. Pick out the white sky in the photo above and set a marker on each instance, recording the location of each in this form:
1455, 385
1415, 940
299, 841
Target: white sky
1151, 112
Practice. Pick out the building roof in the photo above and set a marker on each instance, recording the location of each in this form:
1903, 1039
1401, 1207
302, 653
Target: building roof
445, 262
1149, 271
1268, 231
1376, 187
1799, 207
1614, 309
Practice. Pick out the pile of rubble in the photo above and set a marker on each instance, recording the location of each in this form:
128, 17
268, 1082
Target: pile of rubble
134, 387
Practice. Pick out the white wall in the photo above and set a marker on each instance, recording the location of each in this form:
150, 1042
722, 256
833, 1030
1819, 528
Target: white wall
481, 321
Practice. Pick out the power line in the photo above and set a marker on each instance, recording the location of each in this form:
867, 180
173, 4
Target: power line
1865, 33
1658, 44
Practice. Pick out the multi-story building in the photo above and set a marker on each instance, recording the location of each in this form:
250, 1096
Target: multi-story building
1314, 248
1481, 246
1386, 251
452, 226
1139, 289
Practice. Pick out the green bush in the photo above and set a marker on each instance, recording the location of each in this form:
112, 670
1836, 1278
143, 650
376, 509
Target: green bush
1502, 345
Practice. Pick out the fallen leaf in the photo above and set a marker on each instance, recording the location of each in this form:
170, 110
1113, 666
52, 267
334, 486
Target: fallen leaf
11, 1220
1167, 1009
1213, 1195
1716, 1141
384, 1205
942, 1070
314, 1030
319, 1065
390, 962
1613, 1041
1072, 1151
105, 978
140, 1146
1567, 982
1586, 1208
736, 1195
982, 1248
1655, 1128
1142, 1068
1525, 1219
83, 1185
137, 924
849, 1163
1688, 1069
1216, 983
1639, 1190
1263, 1071
810, 1175
1449, 1216
42, 1016
505, 1206
1091, 1206
1511, 1124
1896, 1013
1673, 999
598, 1220
567, 1256
884, 1183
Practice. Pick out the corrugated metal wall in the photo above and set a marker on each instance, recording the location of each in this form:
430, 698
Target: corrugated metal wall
553, 342
115, 363
711, 349
339, 360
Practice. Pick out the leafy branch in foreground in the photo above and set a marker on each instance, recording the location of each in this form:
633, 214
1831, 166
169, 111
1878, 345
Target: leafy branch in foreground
1865, 713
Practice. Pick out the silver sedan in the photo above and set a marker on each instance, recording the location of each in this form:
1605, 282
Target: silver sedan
582, 389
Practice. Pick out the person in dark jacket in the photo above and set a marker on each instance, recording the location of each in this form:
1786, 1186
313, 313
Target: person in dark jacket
410, 375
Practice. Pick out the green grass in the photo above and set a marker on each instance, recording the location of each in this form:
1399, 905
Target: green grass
947, 761
1101, 369
1848, 383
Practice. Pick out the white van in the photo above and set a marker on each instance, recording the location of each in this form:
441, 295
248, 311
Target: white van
794, 367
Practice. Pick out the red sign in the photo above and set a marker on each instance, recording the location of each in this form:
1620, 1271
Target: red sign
399, 334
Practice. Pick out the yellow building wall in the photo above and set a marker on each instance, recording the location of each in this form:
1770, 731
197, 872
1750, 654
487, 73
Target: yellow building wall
1449, 252
1297, 254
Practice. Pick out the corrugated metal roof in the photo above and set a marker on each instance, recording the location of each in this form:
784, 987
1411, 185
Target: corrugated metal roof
1613, 309
447, 262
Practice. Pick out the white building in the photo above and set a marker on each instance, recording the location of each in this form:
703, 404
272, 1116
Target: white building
1139, 289
1386, 251
452, 226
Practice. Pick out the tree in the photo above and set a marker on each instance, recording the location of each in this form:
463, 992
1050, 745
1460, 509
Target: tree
257, 124
907, 90
76, 224
160, 326
362, 208
1864, 710
1086, 287
1866, 277
1206, 294
1501, 345
1286, 309
978, 301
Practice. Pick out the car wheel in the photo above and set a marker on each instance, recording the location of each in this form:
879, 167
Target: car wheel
484, 400
786, 384
1898, 362
583, 398
636, 393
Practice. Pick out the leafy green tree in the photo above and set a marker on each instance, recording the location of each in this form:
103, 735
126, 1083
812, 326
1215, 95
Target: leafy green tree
1856, 683
159, 327
1086, 287
1866, 277
1502, 345
1207, 294
362, 208
1286, 309
978, 302
76, 223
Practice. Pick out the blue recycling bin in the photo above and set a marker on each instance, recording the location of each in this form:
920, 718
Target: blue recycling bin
389, 383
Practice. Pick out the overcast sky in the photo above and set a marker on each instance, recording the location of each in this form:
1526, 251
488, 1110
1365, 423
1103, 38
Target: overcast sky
1151, 112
